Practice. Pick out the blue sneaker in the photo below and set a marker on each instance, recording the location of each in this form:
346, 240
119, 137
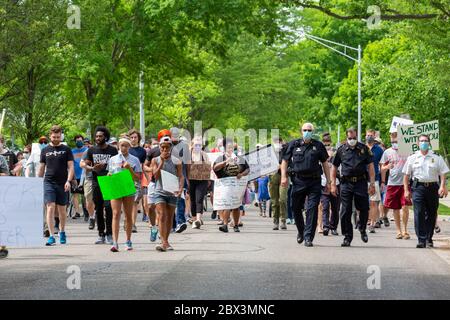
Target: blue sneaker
62, 237
129, 245
153, 234
51, 241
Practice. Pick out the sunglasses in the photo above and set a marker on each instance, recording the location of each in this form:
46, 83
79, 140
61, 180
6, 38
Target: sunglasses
309, 130
351, 138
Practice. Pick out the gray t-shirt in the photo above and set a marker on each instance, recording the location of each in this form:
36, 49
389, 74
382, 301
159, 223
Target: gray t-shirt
170, 165
395, 174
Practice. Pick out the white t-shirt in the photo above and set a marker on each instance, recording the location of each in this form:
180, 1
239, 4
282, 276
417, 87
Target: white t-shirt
395, 174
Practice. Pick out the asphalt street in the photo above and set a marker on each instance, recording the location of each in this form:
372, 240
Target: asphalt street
257, 263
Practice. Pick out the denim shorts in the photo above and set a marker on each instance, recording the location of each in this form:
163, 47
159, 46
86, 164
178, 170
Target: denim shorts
54, 192
159, 198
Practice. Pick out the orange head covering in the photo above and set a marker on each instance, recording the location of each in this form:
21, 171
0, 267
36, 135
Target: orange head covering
163, 133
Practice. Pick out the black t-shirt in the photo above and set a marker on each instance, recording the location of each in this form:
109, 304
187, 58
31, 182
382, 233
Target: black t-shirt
98, 155
153, 153
10, 158
139, 153
56, 163
231, 170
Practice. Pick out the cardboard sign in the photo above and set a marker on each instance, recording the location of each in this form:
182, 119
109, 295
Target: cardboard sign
117, 186
408, 136
229, 193
262, 162
396, 121
21, 215
200, 171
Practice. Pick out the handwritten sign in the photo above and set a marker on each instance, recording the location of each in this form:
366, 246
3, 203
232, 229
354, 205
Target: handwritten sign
229, 192
408, 136
200, 171
262, 162
396, 121
21, 212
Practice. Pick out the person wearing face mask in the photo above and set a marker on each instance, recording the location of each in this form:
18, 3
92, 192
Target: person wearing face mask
425, 169
305, 158
374, 213
9, 156
356, 161
198, 186
230, 165
77, 156
395, 200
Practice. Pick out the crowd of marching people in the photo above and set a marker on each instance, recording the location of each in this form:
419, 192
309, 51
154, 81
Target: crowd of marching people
317, 186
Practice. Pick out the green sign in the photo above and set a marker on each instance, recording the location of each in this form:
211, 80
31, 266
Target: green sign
117, 186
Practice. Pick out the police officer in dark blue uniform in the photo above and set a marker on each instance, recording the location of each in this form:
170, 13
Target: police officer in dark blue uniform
303, 158
356, 161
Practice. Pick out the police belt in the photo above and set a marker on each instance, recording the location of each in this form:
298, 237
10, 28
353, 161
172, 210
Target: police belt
427, 184
354, 178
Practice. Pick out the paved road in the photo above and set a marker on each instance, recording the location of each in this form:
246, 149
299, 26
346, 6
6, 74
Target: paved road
257, 263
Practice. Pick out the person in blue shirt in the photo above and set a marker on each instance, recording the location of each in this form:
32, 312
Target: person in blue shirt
377, 151
77, 155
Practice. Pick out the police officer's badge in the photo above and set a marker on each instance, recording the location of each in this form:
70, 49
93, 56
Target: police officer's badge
314, 148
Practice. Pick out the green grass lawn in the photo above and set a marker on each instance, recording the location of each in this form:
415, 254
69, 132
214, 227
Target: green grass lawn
443, 210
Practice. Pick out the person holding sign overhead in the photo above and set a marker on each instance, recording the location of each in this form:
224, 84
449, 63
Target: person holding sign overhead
124, 161
166, 168
425, 169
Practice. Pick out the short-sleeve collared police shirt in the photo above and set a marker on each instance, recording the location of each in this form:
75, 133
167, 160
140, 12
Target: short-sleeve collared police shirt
426, 168
353, 161
305, 158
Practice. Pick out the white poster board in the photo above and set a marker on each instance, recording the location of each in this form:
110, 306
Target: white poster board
170, 182
262, 162
228, 193
397, 121
408, 136
21, 212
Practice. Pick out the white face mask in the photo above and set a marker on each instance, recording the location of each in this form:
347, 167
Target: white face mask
352, 142
395, 146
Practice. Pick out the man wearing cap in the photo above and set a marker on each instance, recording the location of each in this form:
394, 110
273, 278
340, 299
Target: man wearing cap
181, 151
113, 142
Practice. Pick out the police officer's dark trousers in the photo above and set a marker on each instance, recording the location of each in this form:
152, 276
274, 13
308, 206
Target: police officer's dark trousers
357, 191
312, 189
426, 202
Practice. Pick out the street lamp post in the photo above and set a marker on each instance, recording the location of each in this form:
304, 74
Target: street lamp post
328, 43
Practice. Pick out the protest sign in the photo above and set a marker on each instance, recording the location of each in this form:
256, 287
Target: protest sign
396, 121
117, 185
170, 182
262, 162
228, 193
408, 136
21, 212
200, 171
